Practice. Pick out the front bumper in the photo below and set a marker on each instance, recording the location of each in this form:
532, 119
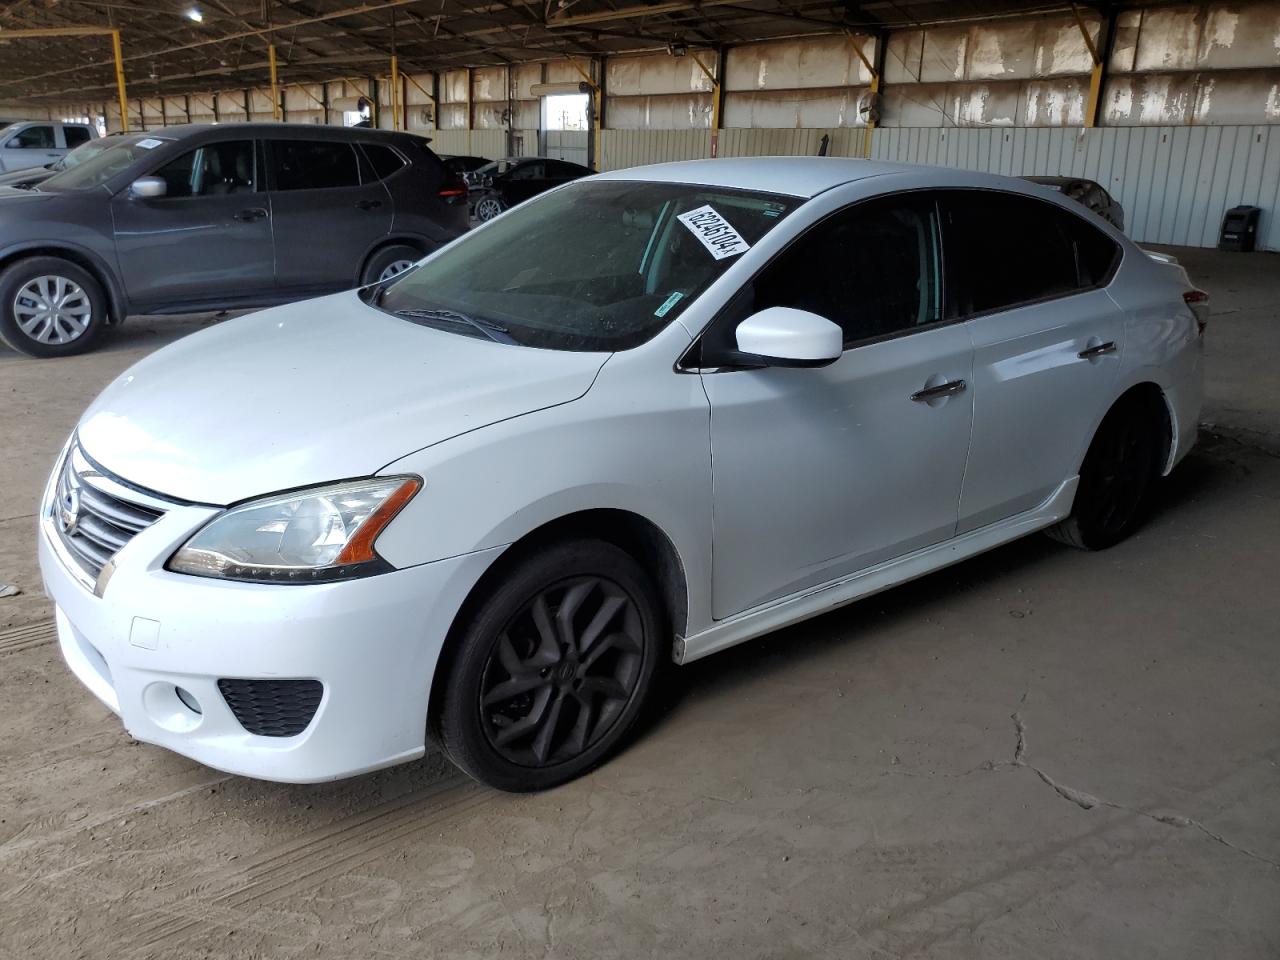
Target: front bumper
373, 643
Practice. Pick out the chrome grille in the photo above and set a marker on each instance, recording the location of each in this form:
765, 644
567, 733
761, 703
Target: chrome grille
95, 514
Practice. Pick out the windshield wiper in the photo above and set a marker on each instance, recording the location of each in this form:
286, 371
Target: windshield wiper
493, 331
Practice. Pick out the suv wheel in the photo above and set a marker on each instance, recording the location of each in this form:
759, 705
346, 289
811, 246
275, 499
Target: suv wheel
50, 307
553, 668
389, 262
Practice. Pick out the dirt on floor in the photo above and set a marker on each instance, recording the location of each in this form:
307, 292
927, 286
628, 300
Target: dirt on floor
1037, 753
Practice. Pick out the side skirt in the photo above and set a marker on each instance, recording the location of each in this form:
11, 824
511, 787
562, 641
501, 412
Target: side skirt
811, 603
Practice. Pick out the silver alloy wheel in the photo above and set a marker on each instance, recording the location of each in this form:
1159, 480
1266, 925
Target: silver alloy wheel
395, 268
488, 208
52, 309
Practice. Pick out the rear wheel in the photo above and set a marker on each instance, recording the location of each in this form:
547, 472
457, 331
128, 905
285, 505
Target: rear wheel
1116, 479
389, 262
553, 667
50, 307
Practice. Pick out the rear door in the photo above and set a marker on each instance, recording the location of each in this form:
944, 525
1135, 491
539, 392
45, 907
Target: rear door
207, 240
1047, 340
326, 219
527, 180
31, 146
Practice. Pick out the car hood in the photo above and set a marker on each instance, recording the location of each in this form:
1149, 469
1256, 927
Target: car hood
308, 393
12, 196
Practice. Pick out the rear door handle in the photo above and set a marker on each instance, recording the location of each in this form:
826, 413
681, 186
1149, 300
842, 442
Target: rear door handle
948, 389
1097, 350
248, 216
368, 204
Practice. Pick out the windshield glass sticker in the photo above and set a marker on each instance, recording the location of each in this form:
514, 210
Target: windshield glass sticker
149, 143
714, 232
667, 304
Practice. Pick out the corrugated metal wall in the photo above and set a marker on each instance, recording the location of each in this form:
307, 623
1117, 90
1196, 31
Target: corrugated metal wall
1174, 182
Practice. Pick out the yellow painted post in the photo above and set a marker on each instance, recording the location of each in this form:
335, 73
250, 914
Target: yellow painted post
275, 82
1095, 75
395, 93
124, 101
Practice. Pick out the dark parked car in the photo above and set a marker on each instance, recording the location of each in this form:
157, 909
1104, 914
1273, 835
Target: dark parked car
1089, 193
28, 178
215, 217
462, 165
504, 183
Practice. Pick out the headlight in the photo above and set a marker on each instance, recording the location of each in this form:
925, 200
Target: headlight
325, 533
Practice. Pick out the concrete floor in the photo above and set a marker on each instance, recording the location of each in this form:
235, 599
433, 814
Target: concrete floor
1038, 753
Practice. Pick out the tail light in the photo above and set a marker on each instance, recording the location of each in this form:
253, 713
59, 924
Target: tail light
453, 188
1198, 301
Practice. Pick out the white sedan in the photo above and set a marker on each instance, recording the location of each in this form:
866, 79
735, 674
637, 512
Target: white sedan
639, 419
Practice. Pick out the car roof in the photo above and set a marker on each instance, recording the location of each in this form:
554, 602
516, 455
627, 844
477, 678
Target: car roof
1060, 181
180, 131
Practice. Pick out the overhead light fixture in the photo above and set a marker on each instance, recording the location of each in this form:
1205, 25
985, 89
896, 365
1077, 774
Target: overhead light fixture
195, 15
677, 48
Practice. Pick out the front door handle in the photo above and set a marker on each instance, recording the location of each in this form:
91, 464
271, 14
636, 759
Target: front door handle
368, 204
1097, 350
948, 389
248, 216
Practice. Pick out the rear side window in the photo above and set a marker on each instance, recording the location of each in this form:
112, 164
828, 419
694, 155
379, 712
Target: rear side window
382, 159
33, 138
1004, 250
314, 165
76, 136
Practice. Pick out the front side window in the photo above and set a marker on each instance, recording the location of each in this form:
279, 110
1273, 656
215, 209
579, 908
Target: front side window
314, 164
76, 136
528, 171
32, 138
872, 269
598, 265
216, 169
1005, 250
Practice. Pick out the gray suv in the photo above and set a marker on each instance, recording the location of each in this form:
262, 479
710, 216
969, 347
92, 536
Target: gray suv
215, 217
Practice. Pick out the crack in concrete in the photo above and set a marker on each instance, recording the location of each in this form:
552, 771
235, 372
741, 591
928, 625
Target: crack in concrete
1087, 801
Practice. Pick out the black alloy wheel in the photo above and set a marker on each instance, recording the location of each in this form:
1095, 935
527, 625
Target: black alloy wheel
553, 667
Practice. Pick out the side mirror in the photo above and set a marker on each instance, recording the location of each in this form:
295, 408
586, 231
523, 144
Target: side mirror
148, 188
786, 337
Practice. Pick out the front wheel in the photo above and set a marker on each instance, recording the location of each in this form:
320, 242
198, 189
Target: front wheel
50, 307
488, 208
1117, 478
553, 668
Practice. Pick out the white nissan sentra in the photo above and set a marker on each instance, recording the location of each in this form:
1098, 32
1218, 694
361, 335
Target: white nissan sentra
639, 419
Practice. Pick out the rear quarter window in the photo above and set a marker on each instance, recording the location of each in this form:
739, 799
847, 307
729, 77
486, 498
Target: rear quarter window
383, 160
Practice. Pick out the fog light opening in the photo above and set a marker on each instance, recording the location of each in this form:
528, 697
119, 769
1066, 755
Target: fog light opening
188, 701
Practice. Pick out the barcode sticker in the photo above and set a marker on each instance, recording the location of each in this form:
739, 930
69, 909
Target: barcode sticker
714, 232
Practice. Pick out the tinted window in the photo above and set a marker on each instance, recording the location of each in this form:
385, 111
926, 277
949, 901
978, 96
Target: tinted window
528, 171
384, 160
873, 269
314, 165
76, 136
1007, 250
212, 170
33, 138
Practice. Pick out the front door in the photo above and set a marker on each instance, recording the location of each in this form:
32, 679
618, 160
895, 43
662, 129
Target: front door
1047, 344
206, 241
819, 473
326, 220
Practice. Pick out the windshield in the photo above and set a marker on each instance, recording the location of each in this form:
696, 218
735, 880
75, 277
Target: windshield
599, 265
82, 153
117, 154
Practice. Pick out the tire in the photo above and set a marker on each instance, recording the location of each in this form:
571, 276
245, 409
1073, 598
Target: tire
50, 307
521, 709
389, 261
1117, 478
488, 208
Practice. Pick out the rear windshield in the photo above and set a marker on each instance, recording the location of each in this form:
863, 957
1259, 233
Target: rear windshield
122, 153
598, 265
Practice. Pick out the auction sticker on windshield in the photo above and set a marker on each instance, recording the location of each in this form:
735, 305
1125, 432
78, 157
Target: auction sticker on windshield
714, 232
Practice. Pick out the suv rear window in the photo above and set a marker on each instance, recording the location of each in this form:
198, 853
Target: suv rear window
382, 159
314, 164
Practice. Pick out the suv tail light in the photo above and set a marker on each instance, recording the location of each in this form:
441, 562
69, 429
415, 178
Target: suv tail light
453, 188
1198, 301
